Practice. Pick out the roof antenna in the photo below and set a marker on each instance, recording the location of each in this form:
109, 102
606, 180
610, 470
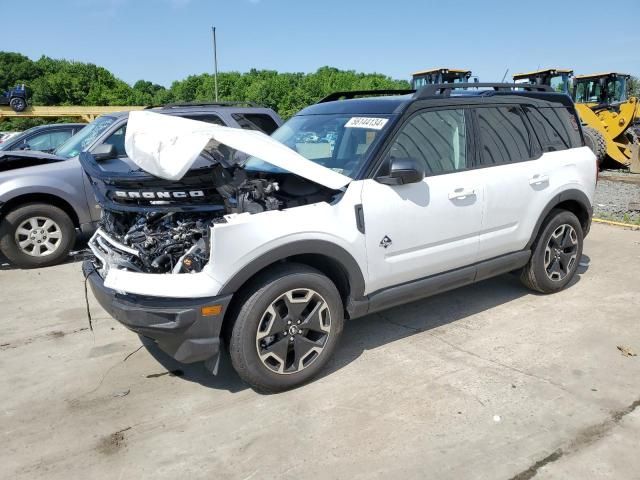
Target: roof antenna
505, 75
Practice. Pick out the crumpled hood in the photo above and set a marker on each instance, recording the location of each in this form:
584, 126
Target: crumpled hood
167, 147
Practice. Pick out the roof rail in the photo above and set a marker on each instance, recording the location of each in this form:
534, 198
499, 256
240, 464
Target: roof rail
446, 88
206, 104
362, 93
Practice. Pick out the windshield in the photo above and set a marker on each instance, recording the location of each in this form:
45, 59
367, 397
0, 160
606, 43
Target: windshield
340, 142
601, 90
82, 140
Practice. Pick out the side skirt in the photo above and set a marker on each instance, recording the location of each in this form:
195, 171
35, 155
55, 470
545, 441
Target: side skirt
428, 286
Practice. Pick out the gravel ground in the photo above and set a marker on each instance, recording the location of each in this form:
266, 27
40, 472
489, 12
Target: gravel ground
618, 197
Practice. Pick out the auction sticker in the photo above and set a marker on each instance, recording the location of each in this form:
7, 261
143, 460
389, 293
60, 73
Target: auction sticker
372, 123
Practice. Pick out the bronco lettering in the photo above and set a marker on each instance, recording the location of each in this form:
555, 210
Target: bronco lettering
192, 194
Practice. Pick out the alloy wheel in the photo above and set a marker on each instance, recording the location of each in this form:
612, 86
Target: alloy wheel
293, 331
560, 255
38, 236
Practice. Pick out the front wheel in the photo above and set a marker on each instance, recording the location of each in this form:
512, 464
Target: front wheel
556, 253
596, 142
18, 104
286, 329
36, 235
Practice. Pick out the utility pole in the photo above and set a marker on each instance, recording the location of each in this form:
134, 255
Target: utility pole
215, 62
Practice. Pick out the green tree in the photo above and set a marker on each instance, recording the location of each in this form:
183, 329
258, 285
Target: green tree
63, 82
634, 86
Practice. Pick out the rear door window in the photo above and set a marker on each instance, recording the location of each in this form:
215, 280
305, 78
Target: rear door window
556, 128
256, 121
504, 136
208, 118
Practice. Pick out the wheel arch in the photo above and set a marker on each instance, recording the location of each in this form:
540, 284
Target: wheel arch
574, 201
332, 260
46, 198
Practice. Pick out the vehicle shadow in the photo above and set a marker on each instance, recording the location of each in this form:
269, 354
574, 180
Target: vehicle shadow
78, 254
378, 329
388, 326
225, 379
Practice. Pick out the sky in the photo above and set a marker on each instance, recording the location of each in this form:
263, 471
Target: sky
167, 40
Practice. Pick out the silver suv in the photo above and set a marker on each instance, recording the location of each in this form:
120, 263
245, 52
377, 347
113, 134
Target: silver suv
45, 199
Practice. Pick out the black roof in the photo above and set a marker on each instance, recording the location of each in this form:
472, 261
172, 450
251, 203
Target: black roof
372, 105
382, 104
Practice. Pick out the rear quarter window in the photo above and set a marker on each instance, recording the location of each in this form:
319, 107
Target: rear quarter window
556, 128
256, 121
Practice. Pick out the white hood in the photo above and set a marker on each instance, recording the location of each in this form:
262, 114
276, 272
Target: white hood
167, 146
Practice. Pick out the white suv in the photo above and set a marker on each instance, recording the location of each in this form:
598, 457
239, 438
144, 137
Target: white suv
266, 244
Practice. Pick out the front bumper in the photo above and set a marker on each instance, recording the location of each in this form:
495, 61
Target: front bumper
177, 325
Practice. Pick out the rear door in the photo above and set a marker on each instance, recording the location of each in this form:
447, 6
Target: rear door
520, 160
421, 229
506, 162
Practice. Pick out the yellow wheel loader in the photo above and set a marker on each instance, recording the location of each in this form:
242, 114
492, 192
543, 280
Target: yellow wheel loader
439, 75
605, 109
604, 96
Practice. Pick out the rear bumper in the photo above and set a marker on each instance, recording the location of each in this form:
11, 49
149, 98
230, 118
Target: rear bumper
175, 324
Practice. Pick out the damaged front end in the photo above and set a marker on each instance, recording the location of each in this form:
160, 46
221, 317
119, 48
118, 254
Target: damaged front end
152, 267
187, 177
152, 225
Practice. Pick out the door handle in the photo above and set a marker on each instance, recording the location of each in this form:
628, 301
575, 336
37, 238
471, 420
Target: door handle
538, 179
462, 193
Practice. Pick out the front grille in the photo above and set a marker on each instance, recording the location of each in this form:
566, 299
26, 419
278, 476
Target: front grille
106, 248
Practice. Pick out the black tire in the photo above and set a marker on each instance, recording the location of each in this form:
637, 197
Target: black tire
16, 219
537, 274
18, 104
253, 319
596, 142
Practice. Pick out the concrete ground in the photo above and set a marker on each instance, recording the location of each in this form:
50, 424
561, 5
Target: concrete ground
489, 381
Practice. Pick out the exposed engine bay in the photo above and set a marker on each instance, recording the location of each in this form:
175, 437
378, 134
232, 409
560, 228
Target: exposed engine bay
181, 179
168, 236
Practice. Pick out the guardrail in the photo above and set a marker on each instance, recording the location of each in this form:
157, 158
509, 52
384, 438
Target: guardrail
87, 113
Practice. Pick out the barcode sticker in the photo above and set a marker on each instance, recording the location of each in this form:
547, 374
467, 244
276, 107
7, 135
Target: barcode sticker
371, 123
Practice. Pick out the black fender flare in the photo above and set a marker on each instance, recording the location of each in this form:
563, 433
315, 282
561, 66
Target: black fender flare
572, 194
301, 247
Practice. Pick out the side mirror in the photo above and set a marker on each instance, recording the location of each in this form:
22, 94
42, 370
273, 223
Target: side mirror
24, 146
403, 171
105, 151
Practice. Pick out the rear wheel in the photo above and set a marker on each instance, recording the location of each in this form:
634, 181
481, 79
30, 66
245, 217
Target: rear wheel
18, 104
286, 329
555, 254
36, 235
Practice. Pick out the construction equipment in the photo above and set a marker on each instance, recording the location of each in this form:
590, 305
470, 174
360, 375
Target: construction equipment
605, 109
439, 75
557, 78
